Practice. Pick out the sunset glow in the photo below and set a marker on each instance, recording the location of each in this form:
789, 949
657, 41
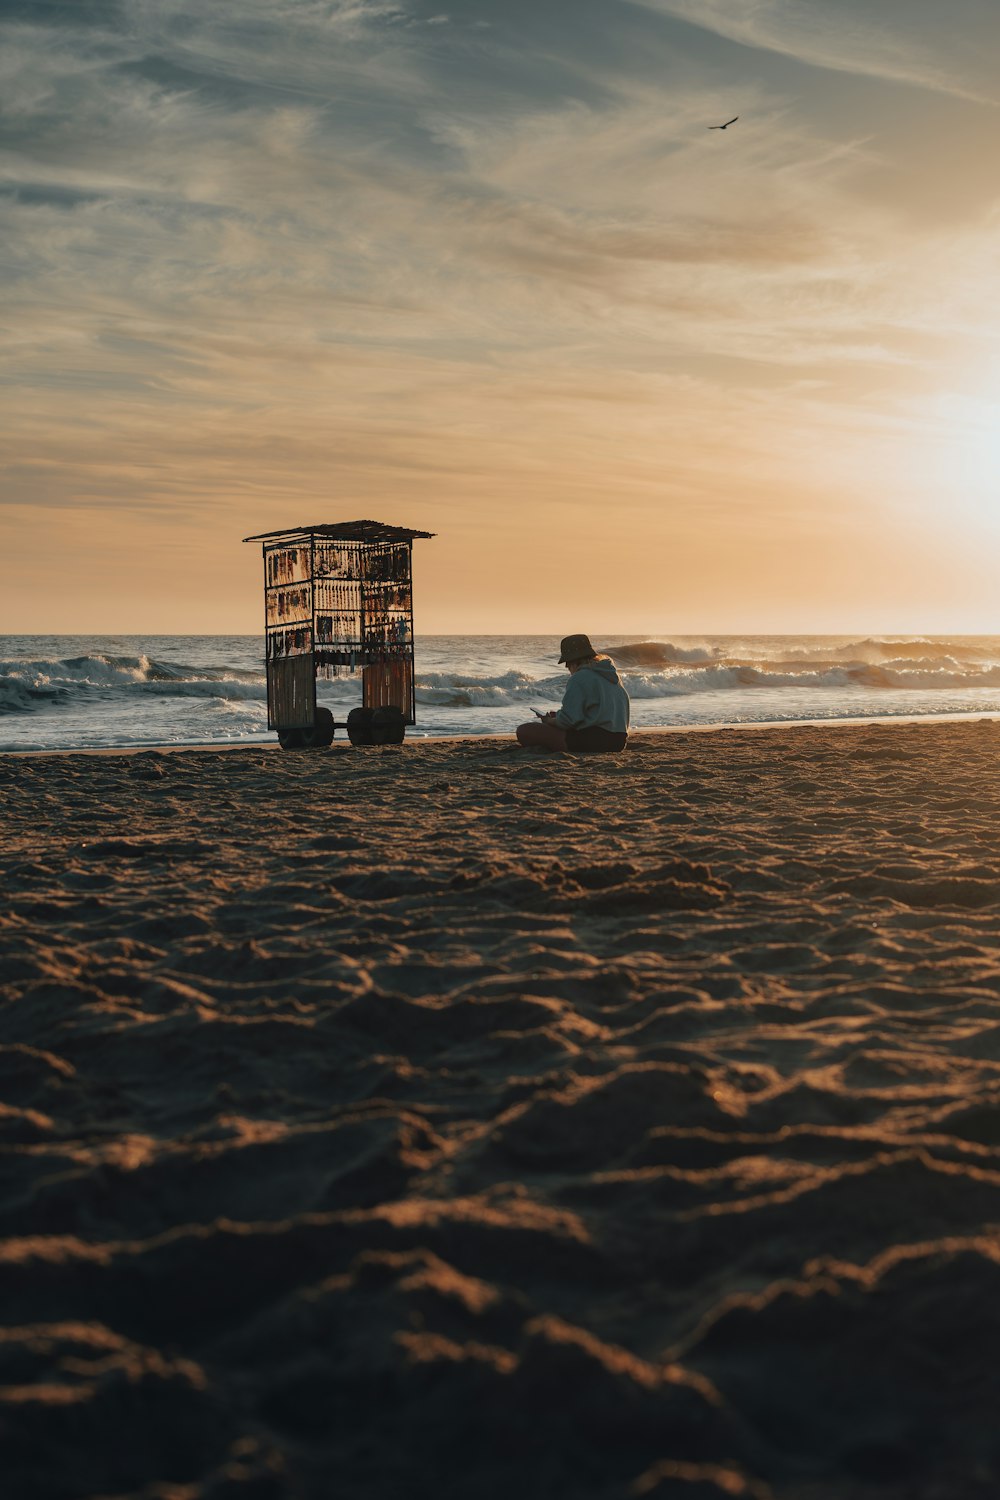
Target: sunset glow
488, 273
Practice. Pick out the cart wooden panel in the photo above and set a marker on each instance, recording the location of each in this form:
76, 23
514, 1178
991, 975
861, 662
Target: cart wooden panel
291, 692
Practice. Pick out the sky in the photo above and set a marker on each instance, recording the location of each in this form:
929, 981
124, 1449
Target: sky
484, 270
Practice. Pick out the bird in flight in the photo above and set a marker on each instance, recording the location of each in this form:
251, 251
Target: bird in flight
727, 124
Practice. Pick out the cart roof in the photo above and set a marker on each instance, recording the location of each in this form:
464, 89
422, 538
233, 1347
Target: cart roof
342, 531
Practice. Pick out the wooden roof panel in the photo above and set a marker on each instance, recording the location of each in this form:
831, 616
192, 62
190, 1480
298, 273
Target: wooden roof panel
342, 531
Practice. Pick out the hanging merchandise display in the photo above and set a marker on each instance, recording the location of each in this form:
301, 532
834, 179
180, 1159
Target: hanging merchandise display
338, 601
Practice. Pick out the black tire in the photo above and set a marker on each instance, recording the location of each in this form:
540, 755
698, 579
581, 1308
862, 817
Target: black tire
359, 726
316, 738
388, 726
321, 734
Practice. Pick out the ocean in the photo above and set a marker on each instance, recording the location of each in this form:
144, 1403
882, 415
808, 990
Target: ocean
87, 692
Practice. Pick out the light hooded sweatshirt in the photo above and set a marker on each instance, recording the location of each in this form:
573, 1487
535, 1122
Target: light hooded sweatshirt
595, 699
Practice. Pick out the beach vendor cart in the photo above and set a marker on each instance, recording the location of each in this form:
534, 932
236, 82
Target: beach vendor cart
338, 602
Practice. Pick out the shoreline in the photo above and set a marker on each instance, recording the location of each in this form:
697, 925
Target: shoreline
722, 727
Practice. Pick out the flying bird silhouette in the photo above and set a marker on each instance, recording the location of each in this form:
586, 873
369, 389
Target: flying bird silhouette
727, 124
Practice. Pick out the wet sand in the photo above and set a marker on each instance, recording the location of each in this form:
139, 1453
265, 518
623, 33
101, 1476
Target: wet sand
455, 1121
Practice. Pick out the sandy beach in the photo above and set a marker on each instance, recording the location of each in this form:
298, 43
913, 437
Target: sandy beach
455, 1121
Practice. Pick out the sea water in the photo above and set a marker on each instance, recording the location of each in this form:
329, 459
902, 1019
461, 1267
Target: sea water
86, 692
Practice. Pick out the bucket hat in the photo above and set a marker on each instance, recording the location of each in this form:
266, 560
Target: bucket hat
576, 648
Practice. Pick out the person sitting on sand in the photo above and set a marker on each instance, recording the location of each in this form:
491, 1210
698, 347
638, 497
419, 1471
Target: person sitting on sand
594, 712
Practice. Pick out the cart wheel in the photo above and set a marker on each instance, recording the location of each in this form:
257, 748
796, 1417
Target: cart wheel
316, 738
321, 734
388, 726
359, 726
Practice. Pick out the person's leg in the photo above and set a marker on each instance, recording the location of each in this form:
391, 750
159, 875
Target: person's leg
541, 734
594, 740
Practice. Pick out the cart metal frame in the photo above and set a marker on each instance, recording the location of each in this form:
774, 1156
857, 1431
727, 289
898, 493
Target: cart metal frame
338, 602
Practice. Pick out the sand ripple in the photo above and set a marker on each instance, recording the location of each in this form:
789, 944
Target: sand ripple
450, 1122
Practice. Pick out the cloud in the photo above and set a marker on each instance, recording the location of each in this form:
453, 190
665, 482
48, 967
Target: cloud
269, 251
290, 164
832, 37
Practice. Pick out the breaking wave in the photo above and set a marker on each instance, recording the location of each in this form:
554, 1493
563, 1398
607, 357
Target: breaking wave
650, 670
82, 693
661, 669
455, 690
661, 654
29, 685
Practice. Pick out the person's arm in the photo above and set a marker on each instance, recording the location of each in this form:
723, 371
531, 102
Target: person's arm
570, 712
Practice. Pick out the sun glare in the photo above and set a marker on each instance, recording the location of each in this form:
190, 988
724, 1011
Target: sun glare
966, 470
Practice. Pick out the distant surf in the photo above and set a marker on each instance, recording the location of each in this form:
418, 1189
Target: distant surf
83, 692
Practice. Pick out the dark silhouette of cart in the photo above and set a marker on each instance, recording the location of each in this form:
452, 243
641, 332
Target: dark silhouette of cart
338, 602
